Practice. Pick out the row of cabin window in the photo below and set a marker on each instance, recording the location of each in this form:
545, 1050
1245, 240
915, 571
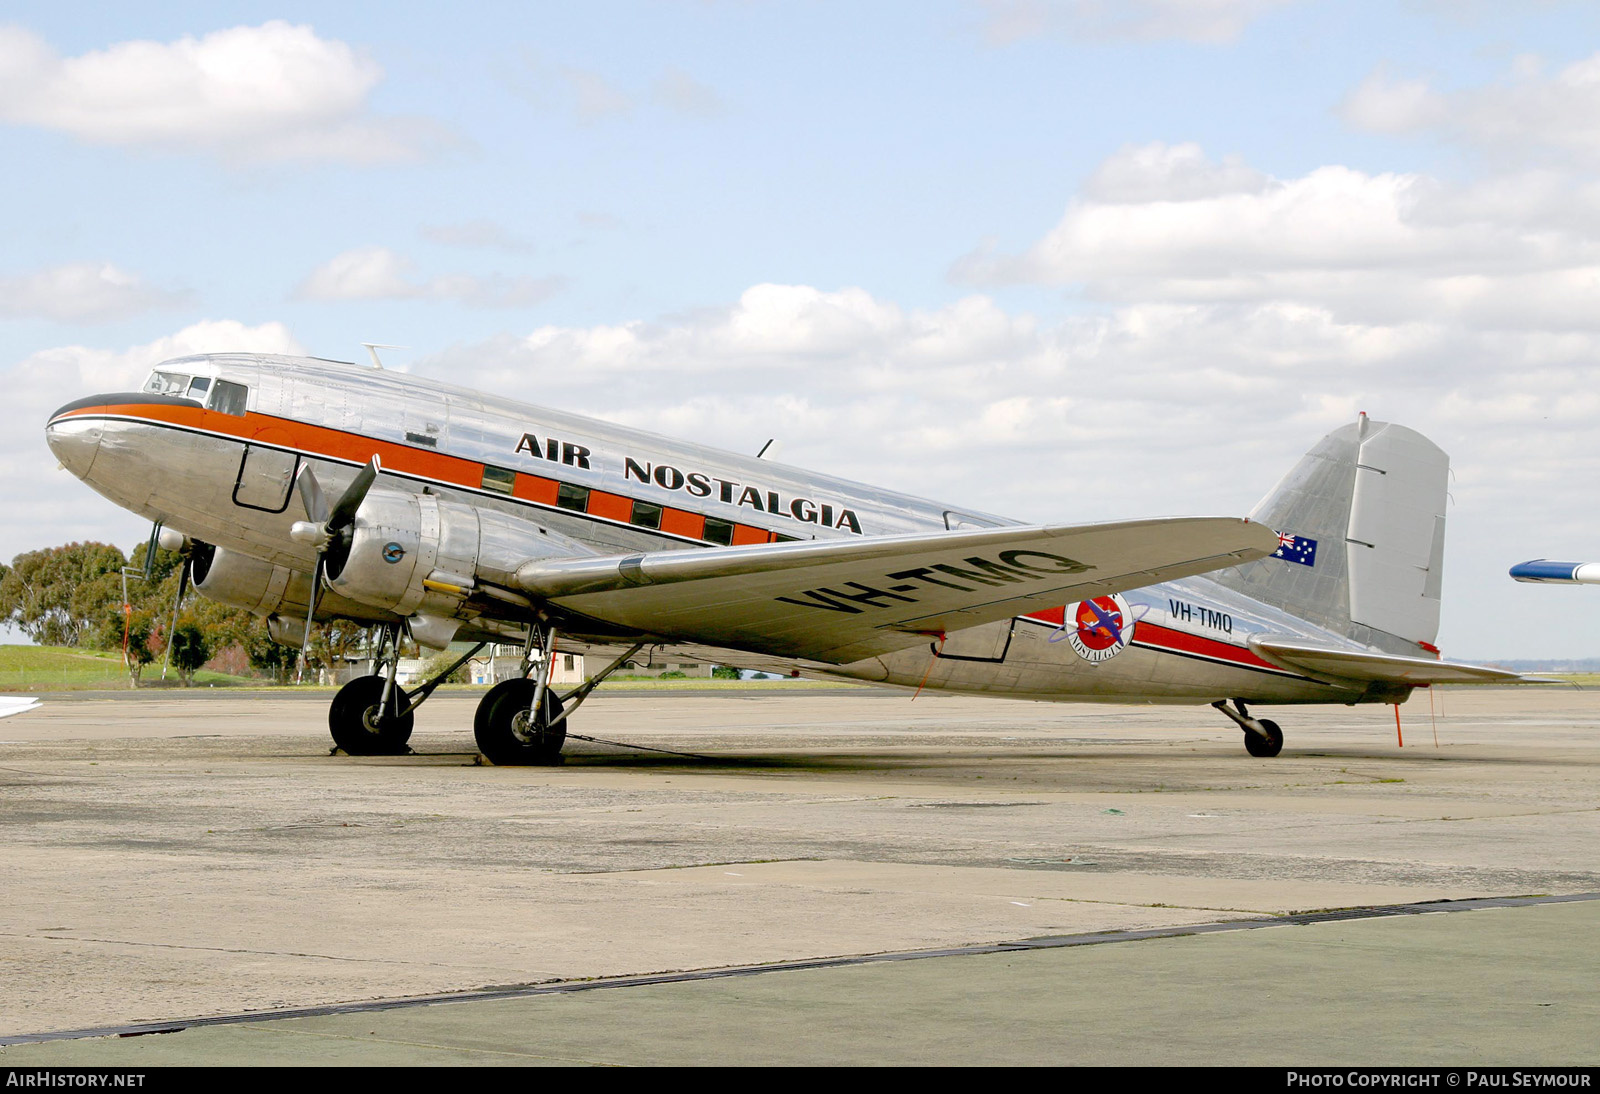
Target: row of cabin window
644, 514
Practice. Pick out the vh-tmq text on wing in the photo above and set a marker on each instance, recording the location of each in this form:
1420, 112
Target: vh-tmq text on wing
840, 601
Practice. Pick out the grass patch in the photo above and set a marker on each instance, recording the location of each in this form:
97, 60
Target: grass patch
62, 668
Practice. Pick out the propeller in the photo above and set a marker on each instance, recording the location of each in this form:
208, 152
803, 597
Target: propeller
330, 531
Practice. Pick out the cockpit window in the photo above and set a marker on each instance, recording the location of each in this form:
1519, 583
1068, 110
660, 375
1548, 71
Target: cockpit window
229, 398
166, 383
197, 388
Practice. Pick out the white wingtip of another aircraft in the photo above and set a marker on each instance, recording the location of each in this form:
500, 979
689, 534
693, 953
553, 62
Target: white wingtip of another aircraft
17, 704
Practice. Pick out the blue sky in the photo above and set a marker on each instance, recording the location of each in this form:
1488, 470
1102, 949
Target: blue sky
1068, 260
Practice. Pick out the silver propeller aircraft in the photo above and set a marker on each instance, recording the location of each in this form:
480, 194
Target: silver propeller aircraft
458, 516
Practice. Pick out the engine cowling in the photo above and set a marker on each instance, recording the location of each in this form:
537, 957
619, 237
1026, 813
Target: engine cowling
414, 554
263, 588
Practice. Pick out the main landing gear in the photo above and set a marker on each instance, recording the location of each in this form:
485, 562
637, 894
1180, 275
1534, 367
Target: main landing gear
523, 721
1262, 737
373, 715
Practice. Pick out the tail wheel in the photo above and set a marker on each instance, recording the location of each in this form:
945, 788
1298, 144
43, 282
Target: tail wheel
509, 733
1267, 746
357, 729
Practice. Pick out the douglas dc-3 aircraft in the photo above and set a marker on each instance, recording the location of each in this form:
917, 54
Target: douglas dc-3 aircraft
461, 516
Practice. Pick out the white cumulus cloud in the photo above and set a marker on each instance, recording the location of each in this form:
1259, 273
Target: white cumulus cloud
378, 273
1528, 112
1192, 20
1161, 224
274, 91
80, 292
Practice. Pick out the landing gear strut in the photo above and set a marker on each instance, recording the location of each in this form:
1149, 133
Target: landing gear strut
1262, 737
524, 721
365, 717
373, 715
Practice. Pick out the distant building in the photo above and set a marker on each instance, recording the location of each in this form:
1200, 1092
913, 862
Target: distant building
504, 662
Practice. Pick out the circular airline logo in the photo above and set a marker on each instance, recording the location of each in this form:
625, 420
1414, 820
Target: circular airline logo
1104, 627
393, 552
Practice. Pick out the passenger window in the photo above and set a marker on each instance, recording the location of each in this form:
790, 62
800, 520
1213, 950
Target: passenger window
646, 515
229, 398
499, 479
719, 531
572, 497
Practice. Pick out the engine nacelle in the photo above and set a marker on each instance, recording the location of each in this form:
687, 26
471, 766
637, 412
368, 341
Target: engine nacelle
267, 589
414, 554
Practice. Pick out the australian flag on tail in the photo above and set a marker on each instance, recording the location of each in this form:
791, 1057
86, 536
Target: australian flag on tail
1296, 549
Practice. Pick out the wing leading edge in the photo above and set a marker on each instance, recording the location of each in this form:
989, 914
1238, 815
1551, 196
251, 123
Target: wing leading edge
838, 601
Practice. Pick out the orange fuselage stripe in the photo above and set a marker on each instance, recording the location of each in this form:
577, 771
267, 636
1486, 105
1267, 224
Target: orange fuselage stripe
402, 459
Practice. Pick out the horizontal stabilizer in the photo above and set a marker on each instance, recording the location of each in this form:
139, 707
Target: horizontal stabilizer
842, 600
1544, 572
1307, 655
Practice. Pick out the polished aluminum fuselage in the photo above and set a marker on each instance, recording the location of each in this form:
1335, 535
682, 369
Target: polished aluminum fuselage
227, 479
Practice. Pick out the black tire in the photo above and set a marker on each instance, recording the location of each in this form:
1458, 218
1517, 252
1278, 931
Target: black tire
1265, 747
352, 719
505, 733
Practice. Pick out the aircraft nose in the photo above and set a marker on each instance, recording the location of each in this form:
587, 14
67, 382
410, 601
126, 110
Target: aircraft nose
75, 443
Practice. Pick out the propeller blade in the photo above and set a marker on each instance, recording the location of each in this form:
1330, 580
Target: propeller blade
311, 495
344, 510
150, 550
172, 627
311, 613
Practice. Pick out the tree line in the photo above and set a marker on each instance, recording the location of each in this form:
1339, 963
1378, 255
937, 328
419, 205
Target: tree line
74, 596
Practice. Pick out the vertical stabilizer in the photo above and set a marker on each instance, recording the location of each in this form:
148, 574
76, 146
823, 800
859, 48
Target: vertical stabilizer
1362, 520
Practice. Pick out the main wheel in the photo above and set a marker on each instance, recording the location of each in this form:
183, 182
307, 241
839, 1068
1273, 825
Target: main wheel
1267, 746
353, 719
507, 733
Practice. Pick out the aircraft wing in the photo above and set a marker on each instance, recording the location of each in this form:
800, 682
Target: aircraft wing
1320, 659
838, 601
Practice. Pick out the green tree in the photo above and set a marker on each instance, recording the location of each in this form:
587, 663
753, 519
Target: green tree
60, 596
191, 649
73, 596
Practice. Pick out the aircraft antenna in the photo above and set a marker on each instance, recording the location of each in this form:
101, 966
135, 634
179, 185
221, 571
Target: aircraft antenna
374, 347
764, 447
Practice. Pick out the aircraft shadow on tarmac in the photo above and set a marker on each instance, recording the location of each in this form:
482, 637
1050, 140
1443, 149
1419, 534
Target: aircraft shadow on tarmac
842, 760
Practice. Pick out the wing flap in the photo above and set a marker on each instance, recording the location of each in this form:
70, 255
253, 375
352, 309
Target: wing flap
838, 601
1306, 655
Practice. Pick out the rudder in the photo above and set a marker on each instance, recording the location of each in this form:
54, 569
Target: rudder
1363, 517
